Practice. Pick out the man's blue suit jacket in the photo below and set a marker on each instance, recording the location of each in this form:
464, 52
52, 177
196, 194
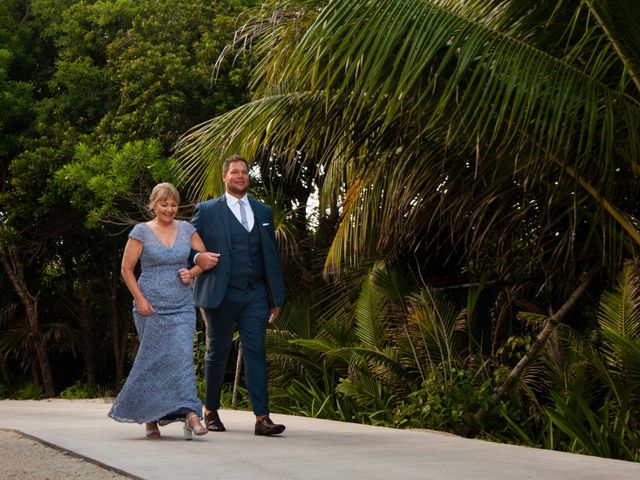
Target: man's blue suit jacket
211, 219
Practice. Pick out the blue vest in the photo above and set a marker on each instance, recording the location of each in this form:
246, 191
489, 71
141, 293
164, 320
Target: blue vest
246, 254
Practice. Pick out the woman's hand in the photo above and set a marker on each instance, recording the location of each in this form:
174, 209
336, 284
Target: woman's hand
207, 260
144, 307
185, 275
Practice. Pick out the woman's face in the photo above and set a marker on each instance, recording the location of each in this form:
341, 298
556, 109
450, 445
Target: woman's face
166, 210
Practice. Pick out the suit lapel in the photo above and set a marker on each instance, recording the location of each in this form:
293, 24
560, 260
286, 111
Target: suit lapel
223, 216
255, 208
265, 240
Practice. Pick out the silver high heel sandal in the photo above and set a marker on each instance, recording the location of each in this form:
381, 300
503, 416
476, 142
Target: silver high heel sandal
191, 428
151, 430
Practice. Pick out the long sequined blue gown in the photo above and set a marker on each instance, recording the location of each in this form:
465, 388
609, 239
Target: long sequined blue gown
162, 385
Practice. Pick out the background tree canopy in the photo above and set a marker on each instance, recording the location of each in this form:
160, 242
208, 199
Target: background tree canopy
455, 189
95, 95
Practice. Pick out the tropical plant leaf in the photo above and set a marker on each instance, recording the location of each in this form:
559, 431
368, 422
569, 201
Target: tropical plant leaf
371, 319
619, 319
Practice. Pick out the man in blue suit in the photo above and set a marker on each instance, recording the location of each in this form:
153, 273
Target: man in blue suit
242, 287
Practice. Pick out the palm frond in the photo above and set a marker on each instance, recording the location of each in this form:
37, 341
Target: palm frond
619, 320
435, 319
438, 64
371, 319
247, 130
619, 20
434, 116
619, 311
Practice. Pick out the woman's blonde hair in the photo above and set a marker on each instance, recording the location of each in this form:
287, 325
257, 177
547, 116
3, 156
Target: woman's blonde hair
161, 192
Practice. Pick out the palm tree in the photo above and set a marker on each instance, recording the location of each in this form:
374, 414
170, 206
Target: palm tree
504, 130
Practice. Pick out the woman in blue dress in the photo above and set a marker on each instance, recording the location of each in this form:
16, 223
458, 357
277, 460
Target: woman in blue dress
161, 387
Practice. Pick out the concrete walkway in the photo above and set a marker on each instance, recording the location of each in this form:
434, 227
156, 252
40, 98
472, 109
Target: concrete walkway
309, 449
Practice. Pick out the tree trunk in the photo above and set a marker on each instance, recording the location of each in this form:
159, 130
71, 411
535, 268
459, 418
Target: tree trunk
5, 371
119, 338
45, 367
84, 315
236, 379
14, 267
36, 377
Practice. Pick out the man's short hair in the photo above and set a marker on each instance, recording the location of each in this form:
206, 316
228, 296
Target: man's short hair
233, 159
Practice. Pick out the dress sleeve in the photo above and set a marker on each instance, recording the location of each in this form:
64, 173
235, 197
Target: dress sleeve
190, 229
137, 232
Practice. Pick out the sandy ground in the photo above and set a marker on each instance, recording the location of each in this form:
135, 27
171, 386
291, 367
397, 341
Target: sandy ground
22, 457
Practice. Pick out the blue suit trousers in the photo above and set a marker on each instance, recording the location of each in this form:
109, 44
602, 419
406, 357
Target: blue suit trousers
247, 310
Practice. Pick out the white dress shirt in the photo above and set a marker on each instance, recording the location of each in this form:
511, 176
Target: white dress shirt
233, 204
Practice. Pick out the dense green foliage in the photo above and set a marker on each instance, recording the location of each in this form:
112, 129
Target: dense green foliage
94, 96
455, 189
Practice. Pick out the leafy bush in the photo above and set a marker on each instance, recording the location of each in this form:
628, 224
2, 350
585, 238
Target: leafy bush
81, 390
30, 391
226, 398
306, 398
77, 390
445, 403
603, 430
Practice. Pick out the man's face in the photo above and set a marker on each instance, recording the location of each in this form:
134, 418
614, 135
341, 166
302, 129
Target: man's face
236, 179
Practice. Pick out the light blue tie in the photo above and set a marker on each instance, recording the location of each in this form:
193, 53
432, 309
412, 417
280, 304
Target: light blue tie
243, 216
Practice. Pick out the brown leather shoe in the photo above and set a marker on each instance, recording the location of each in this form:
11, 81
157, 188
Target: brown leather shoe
213, 422
267, 427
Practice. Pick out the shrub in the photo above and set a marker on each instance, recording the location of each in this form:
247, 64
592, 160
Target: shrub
30, 391
445, 403
81, 390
